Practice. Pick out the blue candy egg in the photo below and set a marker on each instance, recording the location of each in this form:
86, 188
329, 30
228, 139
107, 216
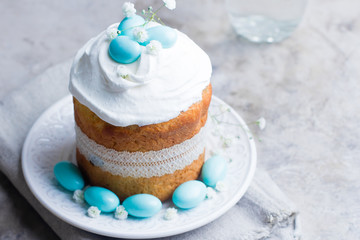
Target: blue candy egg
142, 205
165, 35
128, 25
213, 170
189, 194
102, 198
69, 176
124, 50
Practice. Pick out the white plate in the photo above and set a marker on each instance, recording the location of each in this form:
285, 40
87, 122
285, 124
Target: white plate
52, 139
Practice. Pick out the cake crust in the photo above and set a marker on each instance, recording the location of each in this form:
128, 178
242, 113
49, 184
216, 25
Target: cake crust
134, 138
161, 187
152, 137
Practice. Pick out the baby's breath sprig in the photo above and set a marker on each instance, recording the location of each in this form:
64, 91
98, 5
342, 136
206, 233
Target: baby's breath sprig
135, 32
149, 15
261, 123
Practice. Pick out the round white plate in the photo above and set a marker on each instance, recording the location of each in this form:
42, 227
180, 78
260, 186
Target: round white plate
52, 139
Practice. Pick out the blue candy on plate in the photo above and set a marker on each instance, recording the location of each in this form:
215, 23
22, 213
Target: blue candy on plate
167, 36
128, 25
124, 50
102, 198
69, 176
142, 205
189, 194
213, 170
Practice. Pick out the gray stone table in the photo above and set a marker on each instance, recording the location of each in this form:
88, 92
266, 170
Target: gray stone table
307, 88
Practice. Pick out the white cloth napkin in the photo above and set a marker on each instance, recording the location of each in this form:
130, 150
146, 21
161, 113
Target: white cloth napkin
263, 213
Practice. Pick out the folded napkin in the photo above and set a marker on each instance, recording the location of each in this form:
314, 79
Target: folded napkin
263, 213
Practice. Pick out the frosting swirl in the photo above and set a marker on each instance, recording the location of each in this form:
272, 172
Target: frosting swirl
155, 88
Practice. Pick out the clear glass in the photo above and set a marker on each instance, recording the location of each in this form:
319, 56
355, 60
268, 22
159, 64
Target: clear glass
265, 20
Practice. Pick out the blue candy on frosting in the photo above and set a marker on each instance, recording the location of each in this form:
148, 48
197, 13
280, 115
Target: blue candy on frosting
124, 50
128, 25
167, 36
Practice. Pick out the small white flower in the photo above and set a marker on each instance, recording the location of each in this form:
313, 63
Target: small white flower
170, 4
154, 47
128, 9
221, 186
226, 142
140, 34
121, 213
224, 108
111, 33
210, 193
170, 213
78, 196
261, 122
122, 71
93, 212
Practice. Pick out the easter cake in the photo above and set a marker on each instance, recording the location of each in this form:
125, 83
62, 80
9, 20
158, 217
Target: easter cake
141, 92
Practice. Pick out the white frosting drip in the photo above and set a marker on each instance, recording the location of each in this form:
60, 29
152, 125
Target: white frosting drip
141, 164
157, 88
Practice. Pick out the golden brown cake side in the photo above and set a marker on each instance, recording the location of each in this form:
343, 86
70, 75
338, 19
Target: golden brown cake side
152, 137
134, 140
161, 187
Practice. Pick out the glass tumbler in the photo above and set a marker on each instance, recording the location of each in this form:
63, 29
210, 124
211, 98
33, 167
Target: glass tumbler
265, 20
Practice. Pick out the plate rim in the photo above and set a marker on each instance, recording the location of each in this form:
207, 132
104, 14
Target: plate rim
180, 229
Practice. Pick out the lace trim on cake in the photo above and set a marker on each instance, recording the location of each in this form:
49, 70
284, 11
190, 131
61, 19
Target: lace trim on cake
141, 164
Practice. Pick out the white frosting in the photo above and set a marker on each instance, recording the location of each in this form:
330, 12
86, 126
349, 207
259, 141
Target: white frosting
157, 88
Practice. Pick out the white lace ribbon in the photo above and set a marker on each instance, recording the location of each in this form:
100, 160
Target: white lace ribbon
141, 164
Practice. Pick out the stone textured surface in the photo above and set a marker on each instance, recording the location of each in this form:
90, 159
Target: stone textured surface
306, 87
